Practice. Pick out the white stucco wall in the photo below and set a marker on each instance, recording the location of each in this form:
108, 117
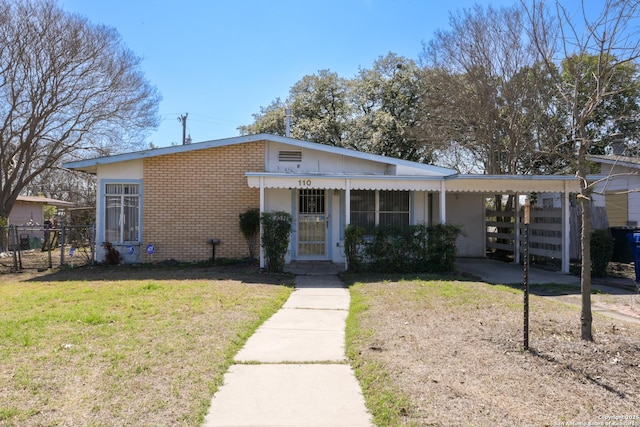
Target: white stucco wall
468, 210
318, 162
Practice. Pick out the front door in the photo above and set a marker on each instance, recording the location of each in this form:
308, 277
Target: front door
312, 224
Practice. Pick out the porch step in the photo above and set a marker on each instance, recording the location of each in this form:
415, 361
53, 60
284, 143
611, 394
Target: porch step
313, 268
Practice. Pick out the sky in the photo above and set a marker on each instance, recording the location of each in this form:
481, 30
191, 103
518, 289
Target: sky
219, 61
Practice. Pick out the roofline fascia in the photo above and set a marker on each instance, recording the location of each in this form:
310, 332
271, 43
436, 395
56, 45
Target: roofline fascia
137, 155
346, 176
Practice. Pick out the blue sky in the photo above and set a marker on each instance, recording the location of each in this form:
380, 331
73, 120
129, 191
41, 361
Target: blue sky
220, 60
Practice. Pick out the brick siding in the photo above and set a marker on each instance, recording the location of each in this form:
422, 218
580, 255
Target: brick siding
194, 196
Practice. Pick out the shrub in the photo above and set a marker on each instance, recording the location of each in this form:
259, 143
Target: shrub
111, 255
601, 251
353, 242
442, 247
250, 227
276, 228
417, 248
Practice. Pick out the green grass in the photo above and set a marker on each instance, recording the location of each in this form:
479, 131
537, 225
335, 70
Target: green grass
386, 403
114, 352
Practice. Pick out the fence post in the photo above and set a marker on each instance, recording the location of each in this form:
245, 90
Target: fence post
13, 237
62, 242
49, 245
93, 244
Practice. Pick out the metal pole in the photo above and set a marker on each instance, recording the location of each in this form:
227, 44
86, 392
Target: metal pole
527, 208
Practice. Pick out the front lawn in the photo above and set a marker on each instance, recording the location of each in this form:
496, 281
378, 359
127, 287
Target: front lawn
123, 346
430, 351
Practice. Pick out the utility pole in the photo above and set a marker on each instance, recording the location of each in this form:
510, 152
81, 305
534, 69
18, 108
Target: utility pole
183, 120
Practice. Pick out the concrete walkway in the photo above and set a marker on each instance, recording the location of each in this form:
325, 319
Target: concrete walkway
293, 371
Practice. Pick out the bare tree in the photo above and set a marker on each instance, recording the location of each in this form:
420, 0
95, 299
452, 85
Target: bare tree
68, 89
485, 64
591, 52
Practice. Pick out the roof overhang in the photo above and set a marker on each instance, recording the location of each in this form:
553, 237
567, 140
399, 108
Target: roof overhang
614, 160
44, 201
505, 184
511, 184
342, 182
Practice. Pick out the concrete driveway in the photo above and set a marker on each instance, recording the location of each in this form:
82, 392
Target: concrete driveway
613, 297
505, 273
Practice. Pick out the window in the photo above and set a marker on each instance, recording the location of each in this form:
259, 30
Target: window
394, 208
370, 208
122, 213
363, 208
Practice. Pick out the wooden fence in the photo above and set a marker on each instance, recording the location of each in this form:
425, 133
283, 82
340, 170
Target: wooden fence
545, 230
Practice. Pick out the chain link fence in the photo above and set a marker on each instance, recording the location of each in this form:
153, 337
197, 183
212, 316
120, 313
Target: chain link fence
38, 248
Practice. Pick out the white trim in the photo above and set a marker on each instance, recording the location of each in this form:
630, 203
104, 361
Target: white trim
516, 208
262, 204
91, 164
566, 230
443, 202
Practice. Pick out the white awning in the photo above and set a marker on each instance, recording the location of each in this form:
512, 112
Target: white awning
504, 184
338, 182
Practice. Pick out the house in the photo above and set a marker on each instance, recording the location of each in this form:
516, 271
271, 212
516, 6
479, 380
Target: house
619, 191
29, 210
167, 203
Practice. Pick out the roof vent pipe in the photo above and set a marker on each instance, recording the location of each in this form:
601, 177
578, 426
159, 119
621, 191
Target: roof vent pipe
287, 113
618, 147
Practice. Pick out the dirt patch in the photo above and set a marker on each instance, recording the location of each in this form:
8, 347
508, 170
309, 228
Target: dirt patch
455, 350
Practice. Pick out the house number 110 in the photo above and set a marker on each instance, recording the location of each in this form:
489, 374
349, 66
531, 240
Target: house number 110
304, 182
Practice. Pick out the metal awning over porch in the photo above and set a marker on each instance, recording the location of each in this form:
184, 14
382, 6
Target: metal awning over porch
503, 184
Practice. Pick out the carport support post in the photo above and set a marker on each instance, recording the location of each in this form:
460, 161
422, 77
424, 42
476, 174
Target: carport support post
566, 229
261, 211
443, 202
347, 213
527, 210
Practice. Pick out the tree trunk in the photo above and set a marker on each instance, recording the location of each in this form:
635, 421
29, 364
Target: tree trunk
586, 317
585, 271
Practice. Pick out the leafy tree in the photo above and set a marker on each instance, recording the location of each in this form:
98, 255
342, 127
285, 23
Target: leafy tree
592, 55
615, 115
388, 100
378, 111
68, 89
270, 119
320, 111
321, 108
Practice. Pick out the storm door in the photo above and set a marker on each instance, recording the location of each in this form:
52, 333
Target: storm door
312, 224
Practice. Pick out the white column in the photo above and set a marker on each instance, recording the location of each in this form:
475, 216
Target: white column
443, 202
566, 229
347, 212
261, 210
516, 209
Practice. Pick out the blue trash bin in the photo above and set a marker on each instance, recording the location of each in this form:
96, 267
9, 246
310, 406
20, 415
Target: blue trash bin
634, 240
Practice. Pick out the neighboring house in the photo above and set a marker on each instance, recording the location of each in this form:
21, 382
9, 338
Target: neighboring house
29, 210
619, 189
177, 198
